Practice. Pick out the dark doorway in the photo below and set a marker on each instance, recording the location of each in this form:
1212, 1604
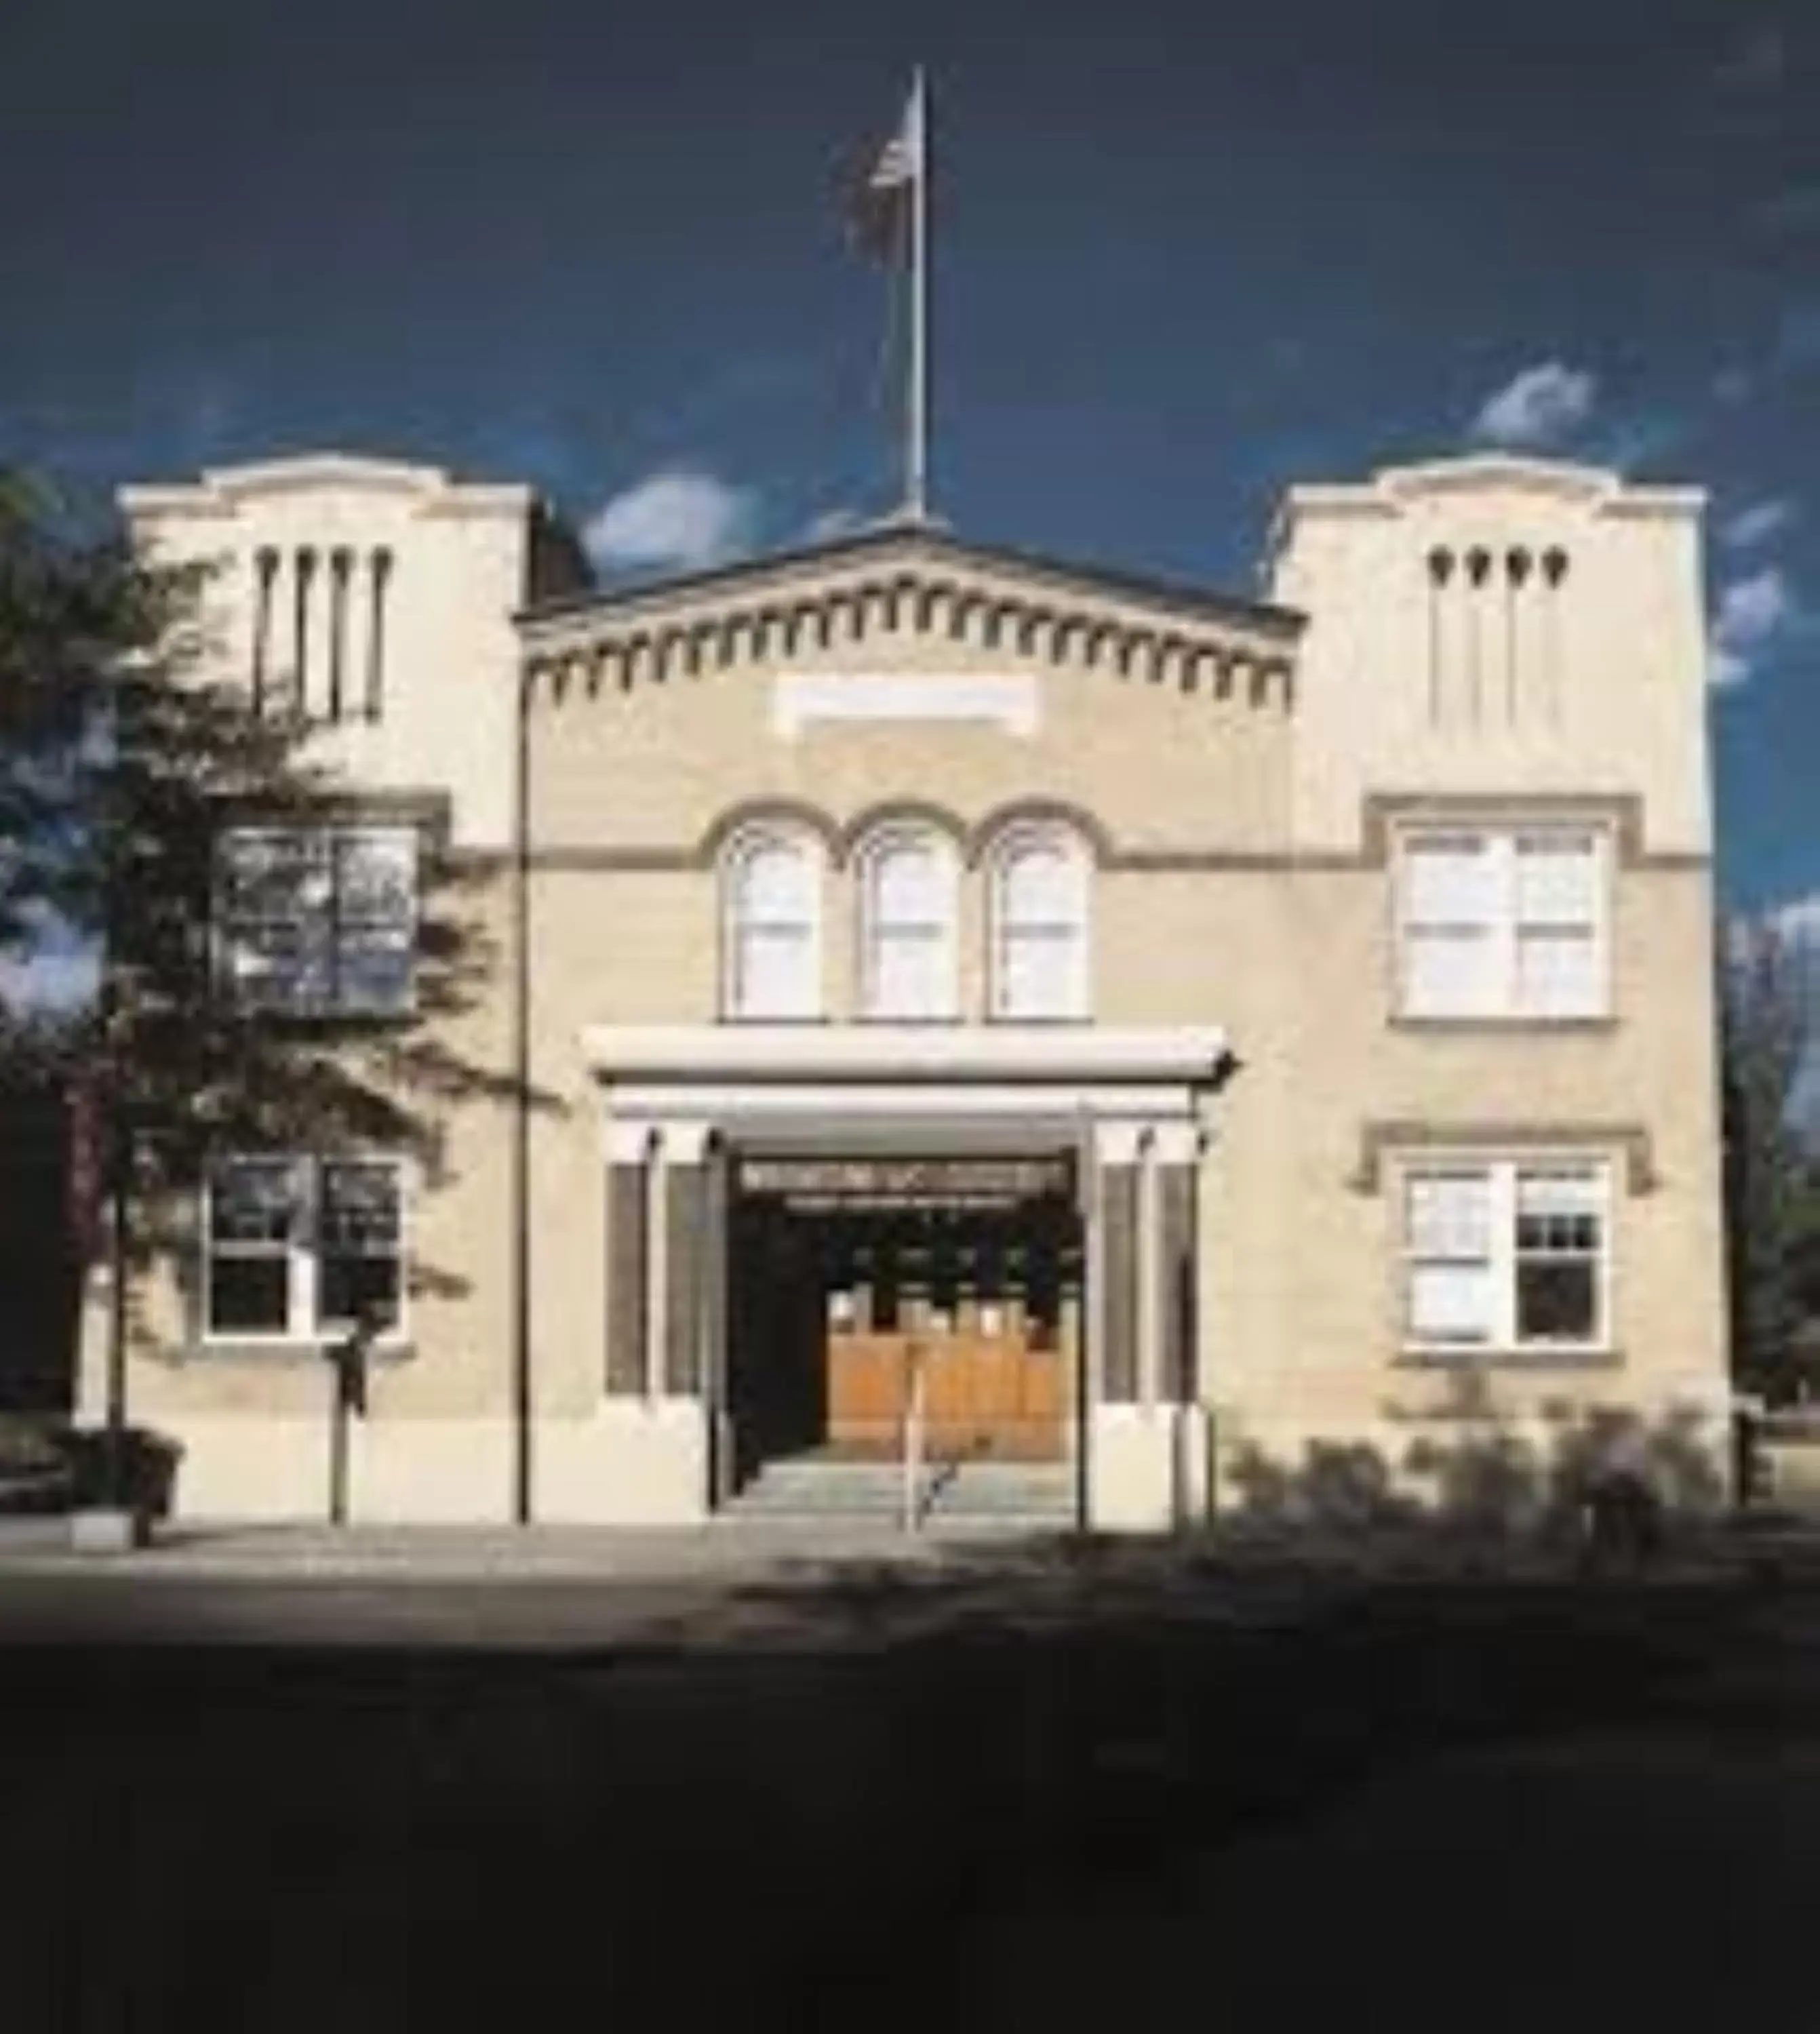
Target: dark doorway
848, 1277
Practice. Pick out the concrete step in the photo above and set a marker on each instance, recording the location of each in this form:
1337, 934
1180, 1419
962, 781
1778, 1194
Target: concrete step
1015, 1493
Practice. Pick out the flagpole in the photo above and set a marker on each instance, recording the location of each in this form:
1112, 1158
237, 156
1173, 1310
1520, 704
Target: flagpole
916, 458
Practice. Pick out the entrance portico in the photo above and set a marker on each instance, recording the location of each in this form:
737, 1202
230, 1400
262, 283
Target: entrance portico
1038, 1182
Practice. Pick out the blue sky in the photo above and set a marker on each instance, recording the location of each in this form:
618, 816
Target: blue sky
1185, 255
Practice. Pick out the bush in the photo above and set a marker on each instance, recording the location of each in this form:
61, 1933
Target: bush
148, 1469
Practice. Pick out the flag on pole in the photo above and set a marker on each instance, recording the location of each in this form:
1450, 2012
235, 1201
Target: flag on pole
882, 203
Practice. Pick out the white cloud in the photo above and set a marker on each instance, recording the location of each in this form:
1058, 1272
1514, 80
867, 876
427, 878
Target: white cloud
1755, 612
1758, 61
1798, 921
50, 979
1758, 523
1540, 406
681, 518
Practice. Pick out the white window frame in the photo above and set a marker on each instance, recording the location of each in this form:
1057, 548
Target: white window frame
868, 861
302, 1328
334, 835
733, 1007
1503, 1174
1504, 841
999, 930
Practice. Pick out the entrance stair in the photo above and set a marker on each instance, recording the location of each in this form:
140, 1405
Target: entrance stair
1006, 1496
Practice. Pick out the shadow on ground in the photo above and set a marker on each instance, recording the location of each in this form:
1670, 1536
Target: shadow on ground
1255, 1775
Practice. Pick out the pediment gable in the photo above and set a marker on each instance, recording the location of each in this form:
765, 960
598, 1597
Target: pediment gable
887, 596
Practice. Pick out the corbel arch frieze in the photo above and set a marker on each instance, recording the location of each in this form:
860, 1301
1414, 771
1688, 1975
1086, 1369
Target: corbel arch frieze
1003, 624
750, 814
934, 607
672, 652
888, 812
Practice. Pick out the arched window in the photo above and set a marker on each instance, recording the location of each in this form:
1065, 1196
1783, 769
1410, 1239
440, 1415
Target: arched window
909, 903
1038, 917
772, 947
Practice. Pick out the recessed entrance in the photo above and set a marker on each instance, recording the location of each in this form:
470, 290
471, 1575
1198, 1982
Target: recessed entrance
848, 1277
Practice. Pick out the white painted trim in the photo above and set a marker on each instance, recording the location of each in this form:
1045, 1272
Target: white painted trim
1150, 1278
1176, 1144
1008, 699
685, 1143
828, 1107
627, 1143
1025, 1054
1117, 1143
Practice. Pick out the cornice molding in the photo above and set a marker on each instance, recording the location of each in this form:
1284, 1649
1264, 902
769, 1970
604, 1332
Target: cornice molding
617, 648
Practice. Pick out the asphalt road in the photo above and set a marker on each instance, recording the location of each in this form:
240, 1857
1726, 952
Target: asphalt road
1004, 1797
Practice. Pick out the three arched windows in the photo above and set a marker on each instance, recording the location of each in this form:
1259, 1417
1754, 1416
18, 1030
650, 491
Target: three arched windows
907, 896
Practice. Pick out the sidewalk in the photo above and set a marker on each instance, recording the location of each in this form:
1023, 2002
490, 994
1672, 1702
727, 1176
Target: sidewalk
285, 1552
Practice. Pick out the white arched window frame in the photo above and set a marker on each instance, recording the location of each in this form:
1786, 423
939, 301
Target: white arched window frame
1040, 924
909, 919
771, 927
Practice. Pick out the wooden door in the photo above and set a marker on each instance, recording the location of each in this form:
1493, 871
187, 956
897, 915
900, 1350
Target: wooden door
989, 1394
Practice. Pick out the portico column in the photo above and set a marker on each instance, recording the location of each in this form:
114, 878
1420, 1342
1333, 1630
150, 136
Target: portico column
627, 1258
685, 1253
1175, 1153
1115, 1268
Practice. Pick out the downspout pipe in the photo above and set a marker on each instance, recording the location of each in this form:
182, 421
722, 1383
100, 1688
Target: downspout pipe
521, 1111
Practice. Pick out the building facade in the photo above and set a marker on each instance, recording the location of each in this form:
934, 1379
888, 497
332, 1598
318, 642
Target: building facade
1187, 1046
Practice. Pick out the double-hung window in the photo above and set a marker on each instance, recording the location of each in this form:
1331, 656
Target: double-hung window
1503, 922
1506, 1254
910, 903
296, 1249
772, 928
318, 921
1039, 927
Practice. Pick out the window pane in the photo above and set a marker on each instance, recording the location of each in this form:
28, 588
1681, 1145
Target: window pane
1557, 1299
909, 974
1558, 973
1039, 974
1040, 885
909, 885
254, 1200
777, 881
773, 973
1450, 880
1557, 878
378, 877
1450, 1302
1578, 1193
1449, 1214
357, 1238
352, 1285
358, 1210
375, 969
1450, 974
249, 1295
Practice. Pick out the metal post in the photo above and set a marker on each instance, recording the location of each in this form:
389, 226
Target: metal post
916, 477
913, 1438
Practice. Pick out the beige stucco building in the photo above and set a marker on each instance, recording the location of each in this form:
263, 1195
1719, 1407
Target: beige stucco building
1164, 1049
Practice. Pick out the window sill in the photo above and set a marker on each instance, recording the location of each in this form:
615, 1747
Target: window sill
1402, 1021
1591, 1355
236, 1349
